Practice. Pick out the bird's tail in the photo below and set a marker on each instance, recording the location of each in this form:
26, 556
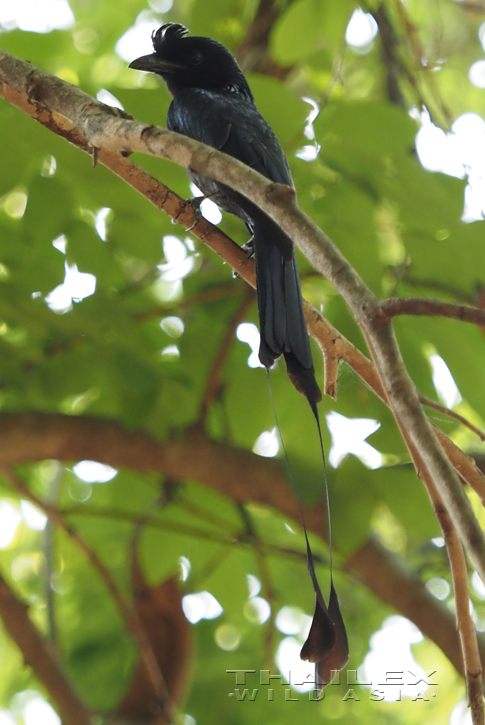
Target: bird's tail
282, 323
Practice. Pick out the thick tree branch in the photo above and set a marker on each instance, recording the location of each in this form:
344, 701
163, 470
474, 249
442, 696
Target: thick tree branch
239, 474
40, 656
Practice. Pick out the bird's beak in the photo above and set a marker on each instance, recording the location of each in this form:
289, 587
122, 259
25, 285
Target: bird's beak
153, 64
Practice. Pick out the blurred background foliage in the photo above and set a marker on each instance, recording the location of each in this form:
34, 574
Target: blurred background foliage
107, 309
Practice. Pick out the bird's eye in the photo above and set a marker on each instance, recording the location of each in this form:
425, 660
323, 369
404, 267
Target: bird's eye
197, 58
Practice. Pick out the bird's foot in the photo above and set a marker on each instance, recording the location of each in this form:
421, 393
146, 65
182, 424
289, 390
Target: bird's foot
195, 203
249, 249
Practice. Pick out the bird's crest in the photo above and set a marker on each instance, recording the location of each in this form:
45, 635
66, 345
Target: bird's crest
167, 34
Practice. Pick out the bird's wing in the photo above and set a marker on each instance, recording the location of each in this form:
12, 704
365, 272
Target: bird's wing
232, 124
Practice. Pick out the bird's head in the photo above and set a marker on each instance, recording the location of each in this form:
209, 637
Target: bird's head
191, 62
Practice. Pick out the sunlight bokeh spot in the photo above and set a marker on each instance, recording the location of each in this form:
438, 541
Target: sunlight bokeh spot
254, 585
267, 444
443, 382
37, 16
257, 610
32, 517
9, 520
292, 620
390, 652
137, 39
94, 472
249, 333
361, 30
348, 436
227, 637
202, 605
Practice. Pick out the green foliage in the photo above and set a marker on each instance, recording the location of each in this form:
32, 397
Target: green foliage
107, 355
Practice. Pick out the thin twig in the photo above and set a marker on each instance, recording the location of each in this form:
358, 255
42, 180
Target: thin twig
432, 284
432, 308
214, 382
464, 465
466, 627
423, 65
165, 525
266, 582
451, 414
54, 487
212, 295
390, 54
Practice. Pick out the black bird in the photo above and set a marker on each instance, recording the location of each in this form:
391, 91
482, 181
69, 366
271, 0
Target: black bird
213, 103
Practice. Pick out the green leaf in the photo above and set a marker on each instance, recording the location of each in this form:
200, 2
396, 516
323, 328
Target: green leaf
407, 499
49, 209
353, 501
271, 96
308, 26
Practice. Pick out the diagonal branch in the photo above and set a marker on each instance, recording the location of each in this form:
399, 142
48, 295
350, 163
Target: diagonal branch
39, 655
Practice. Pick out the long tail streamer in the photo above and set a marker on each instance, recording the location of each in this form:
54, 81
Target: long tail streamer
326, 644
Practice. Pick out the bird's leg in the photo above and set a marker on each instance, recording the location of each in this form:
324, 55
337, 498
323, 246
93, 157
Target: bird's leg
248, 247
195, 203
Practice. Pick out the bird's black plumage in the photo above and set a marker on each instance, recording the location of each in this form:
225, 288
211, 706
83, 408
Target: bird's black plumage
213, 103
